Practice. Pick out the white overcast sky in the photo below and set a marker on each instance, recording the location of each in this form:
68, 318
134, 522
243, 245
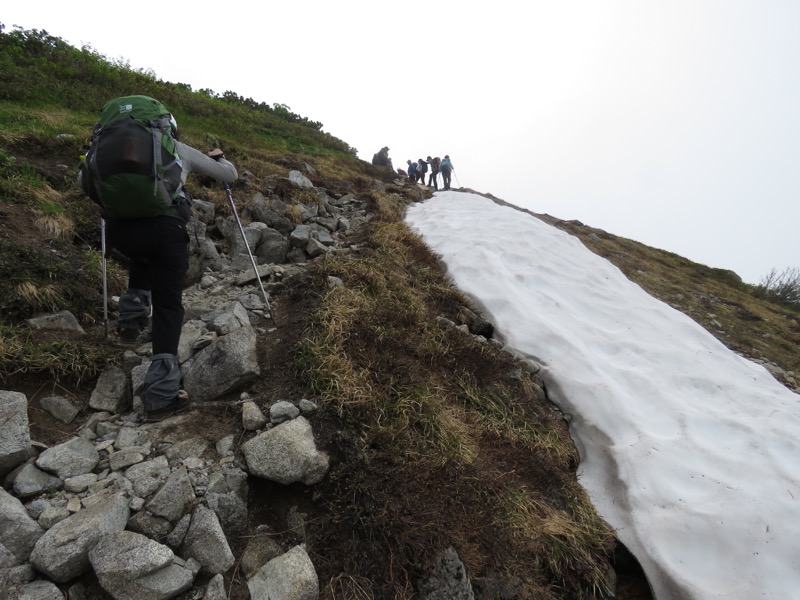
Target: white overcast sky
676, 124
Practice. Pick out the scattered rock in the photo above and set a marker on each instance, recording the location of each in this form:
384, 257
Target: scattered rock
61, 408
286, 454
15, 437
290, 576
62, 320
62, 553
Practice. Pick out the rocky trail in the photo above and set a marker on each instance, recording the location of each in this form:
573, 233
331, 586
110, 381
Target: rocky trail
207, 504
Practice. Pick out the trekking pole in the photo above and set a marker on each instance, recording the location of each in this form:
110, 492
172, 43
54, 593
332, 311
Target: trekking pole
105, 272
456, 176
246, 245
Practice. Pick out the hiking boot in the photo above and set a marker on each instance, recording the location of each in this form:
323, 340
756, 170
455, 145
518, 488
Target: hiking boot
180, 404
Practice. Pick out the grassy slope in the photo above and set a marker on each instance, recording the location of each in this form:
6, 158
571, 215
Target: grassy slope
437, 439
715, 298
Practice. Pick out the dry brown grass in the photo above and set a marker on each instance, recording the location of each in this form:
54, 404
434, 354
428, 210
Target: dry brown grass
26, 352
44, 297
564, 543
444, 437
55, 225
50, 215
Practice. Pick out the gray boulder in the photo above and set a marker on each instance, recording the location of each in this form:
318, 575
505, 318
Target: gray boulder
206, 543
190, 333
111, 392
74, 457
447, 579
79, 483
174, 496
252, 233
261, 548
300, 236
19, 531
30, 481
15, 438
286, 454
290, 576
300, 180
315, 248
282, 411
61, 408
37, 590
63, 551
147, 477
131, 566
272, 248
228, 318
231, 511
252, 417
62, 321
223, 367
215, 590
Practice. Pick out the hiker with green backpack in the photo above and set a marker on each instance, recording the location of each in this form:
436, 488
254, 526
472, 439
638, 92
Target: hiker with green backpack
135, 170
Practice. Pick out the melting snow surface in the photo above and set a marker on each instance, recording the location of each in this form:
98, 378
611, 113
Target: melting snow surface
689, 451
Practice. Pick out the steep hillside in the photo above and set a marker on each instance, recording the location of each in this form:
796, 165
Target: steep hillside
437, 439
734, 312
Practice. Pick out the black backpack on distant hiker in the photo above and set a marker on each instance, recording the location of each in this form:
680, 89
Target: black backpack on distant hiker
132, 168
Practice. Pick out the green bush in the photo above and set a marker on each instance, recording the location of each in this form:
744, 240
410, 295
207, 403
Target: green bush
781, 287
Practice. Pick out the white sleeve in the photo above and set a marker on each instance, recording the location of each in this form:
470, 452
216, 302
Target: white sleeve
195, 161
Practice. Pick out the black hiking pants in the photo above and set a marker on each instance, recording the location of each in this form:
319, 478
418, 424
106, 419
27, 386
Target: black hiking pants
158, 249
445, 178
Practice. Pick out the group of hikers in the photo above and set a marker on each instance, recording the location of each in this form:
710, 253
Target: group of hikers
417, 170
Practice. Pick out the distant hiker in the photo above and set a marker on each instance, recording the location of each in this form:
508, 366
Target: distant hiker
412, 170
422, 168
381, 158
146, 211
446, 168
434, 163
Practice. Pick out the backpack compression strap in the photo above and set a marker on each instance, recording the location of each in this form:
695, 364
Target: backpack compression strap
162, 124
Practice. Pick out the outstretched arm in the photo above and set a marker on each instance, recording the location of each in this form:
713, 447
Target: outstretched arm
219, 168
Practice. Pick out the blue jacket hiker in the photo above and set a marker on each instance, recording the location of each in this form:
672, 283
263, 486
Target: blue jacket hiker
446, 168
412, 170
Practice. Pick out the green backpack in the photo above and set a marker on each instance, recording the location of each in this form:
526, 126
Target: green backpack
133, 169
